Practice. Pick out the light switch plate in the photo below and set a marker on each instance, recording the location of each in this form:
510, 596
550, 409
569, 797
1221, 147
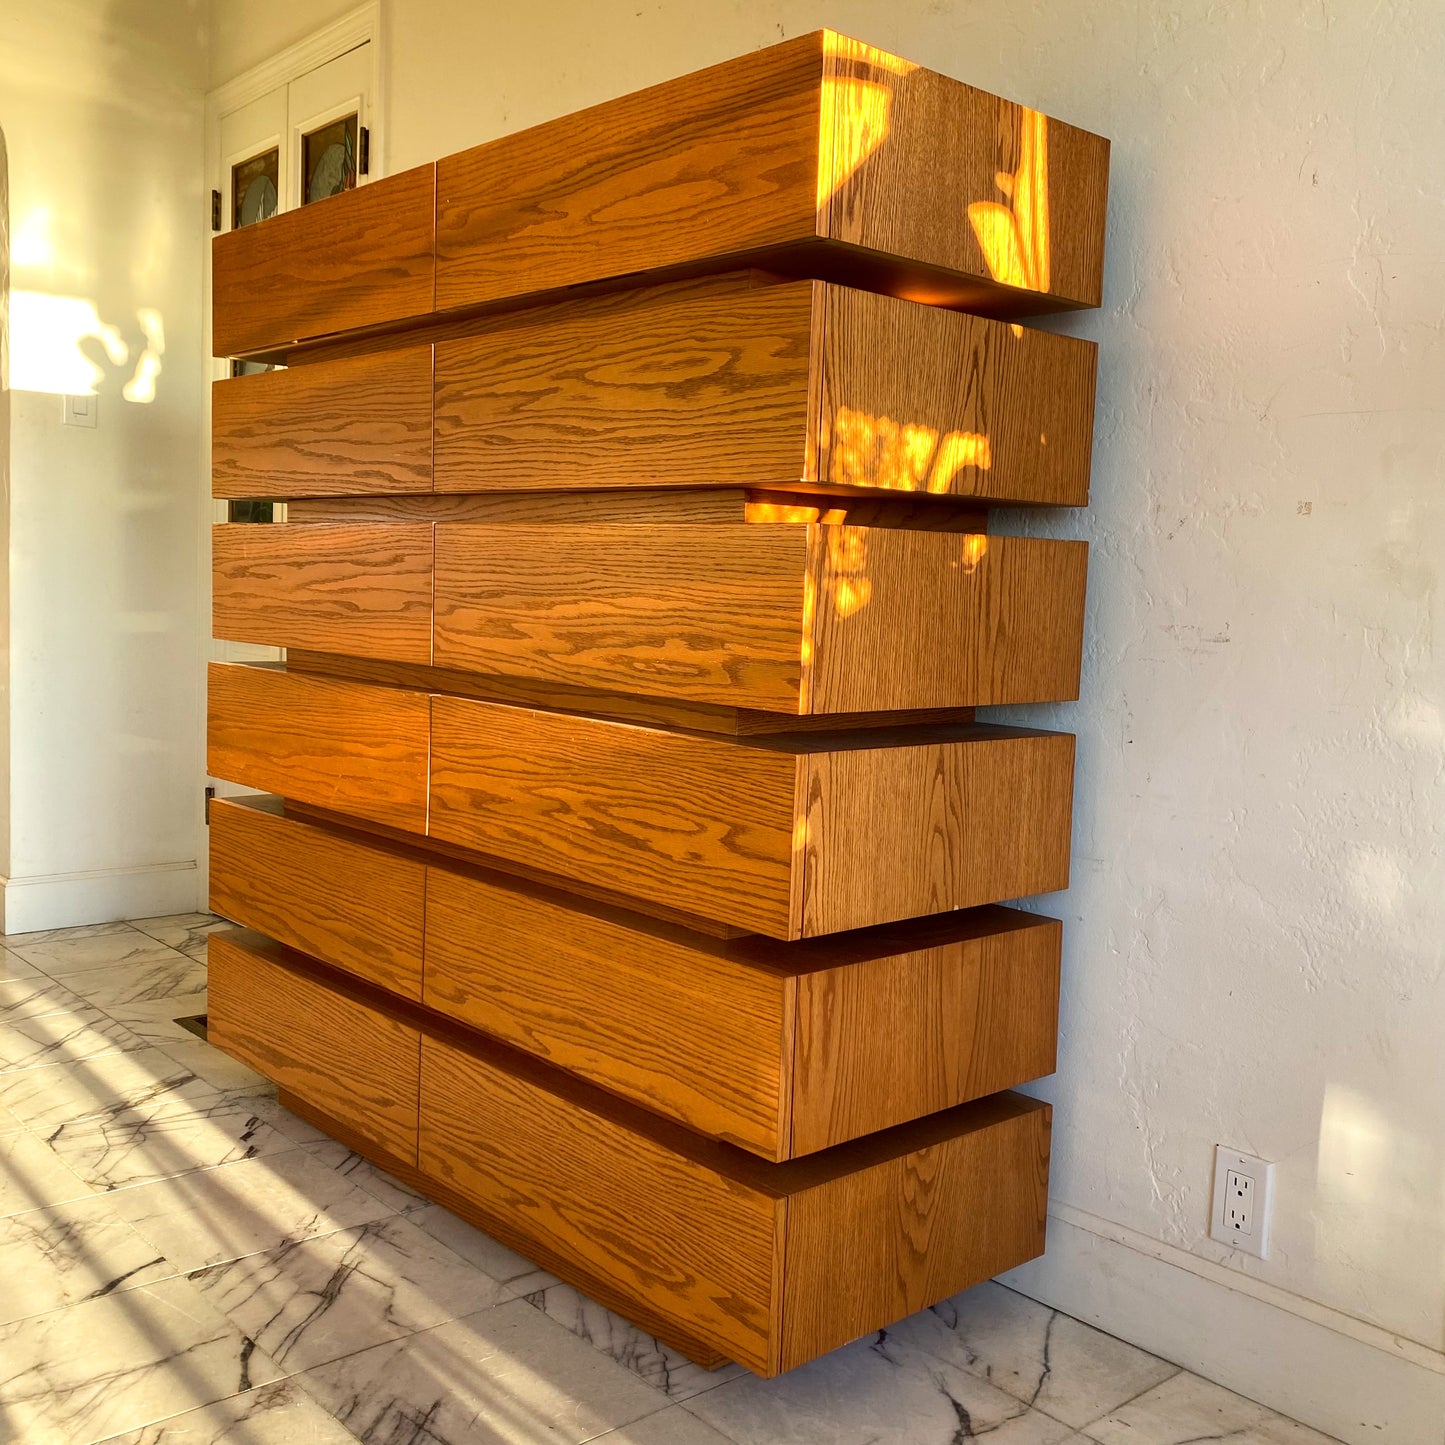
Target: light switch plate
80, 410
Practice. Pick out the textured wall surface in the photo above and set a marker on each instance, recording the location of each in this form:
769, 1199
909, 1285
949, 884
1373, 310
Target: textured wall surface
1255, 946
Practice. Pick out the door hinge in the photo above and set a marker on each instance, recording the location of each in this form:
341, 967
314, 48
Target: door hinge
363, 160
215, 210
210, 798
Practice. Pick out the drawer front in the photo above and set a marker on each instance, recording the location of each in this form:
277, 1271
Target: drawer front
620, 1207
639, 1013
802, 619
341, 1056
705, 613
327, 429
362, 258
364, 591
721, 161
338, 745
335, 898
647, 390
701, 826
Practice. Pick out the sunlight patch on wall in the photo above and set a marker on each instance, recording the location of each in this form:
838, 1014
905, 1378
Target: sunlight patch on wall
47, 336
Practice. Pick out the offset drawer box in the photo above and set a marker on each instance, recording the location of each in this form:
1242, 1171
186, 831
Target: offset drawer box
822, 149
338, 1053
766, 1264
783, 1049
731, 382
363, 258
360, 750
361, 590
359, 907
773, 616
334, 428
789, 836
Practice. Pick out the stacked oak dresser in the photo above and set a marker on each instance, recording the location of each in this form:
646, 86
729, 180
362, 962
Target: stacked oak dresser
627, 872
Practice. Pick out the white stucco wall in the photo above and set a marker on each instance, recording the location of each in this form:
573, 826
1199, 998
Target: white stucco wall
101, 106
1255, 946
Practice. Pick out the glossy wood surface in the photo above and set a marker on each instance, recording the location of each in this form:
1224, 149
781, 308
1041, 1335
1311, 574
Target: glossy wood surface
359, 589
790, 836
346, 1056
360, 907
361, 750
803, 619
361, 258
335, 428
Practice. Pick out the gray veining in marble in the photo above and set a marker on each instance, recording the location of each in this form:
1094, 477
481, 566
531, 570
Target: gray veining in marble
675, 1426
214, 1215
36, 994
65, 1253
363, 1172
109, 1084
504, 1376
315, 1300
12, 966
279, 1414
648, 1358
121, 1362
56, 935
519, 1276
37, 1041
188, 932
32, 1174
59, 957
150, 981
213, 1067
140, 1146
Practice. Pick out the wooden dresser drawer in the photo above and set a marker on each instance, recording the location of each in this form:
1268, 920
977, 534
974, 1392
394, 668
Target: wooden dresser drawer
341, 1055
782, 1049
363, 258
365, 591
331, 895
736, 383
331, 428
356, 749
775, 616
789, 836
821, 152
766, 1264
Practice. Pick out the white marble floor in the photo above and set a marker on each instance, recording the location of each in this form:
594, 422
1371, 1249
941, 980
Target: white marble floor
183, 1262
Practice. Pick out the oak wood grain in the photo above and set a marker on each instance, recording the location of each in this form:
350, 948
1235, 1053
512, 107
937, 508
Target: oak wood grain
337, 428
345, 1056
806, 619
362, 589
364, 257
342, 745
702, 507
360, 907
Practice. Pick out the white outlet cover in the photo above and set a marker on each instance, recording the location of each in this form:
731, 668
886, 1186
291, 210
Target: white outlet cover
1231, 1161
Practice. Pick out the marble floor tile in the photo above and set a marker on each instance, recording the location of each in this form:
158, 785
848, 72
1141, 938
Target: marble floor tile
648, 1358
32, 1174
673, 1426
59, 957
872, 1391
502, 1377
150, 981
155, 1020
141, 1146
280, 1118
57, 935
1044, 1358
121, 1362
361, 1171
38, 994
1187, 1409
108, 1084
316, 1300
214, 1215
37, 1041
506, 1266
279, 1414
13, 966
218, 1070
185, 931
65, 1253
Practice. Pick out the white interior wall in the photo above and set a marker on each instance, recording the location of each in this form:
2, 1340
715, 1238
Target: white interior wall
1254, 936
102, 106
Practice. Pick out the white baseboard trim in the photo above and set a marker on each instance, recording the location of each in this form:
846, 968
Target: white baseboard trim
1344, 1376
105, 895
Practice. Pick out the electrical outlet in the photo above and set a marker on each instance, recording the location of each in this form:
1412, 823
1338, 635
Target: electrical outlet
1242, 1188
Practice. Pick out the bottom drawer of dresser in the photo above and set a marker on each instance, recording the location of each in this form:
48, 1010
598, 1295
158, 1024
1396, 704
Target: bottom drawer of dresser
348, 1059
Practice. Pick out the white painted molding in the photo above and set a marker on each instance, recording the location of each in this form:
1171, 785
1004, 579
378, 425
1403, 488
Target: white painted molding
106, 895
352, 29
1344, 1376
